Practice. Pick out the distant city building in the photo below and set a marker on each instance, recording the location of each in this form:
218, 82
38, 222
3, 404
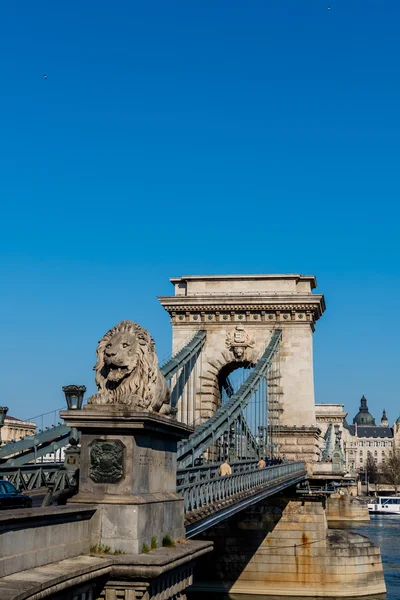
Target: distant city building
360, 439
15, 429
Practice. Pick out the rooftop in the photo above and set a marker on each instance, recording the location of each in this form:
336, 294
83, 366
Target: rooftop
370, 431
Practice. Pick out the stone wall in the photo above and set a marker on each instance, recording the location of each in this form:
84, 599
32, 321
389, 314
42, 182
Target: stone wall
162, 574
345, 508
34, 537
299, 443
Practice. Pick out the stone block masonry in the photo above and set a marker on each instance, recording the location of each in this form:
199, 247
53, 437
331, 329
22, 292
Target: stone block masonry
345, 508
240, 314
300, 556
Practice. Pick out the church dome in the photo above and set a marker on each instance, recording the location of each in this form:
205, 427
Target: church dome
364, 417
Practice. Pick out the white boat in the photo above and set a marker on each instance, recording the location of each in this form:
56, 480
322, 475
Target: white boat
385, 505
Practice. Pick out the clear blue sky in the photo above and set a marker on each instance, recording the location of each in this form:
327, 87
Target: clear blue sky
176, 138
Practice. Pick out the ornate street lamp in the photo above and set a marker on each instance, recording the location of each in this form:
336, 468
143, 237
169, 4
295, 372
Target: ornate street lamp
74, 396
3, 412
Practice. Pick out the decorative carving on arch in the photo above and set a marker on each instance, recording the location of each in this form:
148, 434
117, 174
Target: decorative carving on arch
239, 341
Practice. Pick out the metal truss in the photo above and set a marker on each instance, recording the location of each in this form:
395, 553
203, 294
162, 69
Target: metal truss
228, 416
181, 358
34, 446
181, 372
243, 429
33, 477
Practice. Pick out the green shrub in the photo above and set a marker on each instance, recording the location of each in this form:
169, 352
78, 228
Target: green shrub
153, 542
168, 542
145, 549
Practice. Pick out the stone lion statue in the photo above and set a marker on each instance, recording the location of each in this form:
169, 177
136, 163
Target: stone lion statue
127, 370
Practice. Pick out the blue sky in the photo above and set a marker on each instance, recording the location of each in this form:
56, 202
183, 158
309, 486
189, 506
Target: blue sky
176, 138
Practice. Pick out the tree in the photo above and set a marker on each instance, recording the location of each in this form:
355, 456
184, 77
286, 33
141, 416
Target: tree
372, 469
391, 470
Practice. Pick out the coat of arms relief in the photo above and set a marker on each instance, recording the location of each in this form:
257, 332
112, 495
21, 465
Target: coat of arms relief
239, 341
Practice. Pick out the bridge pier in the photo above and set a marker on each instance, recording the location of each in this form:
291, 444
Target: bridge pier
341, 508
283, 547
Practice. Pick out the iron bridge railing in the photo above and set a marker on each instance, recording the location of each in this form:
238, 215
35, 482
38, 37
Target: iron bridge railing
202, 486
33, 477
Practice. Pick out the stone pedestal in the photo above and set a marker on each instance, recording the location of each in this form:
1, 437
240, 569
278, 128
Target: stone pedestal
128, 471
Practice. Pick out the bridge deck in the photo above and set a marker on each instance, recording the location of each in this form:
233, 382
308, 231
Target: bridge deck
211, 499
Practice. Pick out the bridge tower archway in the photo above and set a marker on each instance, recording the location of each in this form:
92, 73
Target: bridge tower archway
239, 314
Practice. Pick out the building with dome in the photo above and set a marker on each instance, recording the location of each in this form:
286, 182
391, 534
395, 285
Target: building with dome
358, 440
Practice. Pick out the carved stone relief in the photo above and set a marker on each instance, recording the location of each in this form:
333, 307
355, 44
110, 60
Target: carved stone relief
239, 341
106, 461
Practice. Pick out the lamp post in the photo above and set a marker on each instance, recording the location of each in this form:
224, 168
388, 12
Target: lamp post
3, 412
74, 397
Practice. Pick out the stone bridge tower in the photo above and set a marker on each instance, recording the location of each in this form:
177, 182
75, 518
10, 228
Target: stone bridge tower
240, 313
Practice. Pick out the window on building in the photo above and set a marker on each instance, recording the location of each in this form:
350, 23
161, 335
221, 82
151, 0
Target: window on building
389, 444
351, 451
376, 453
383, 444
361, 459
375, 459
368, 444
361, 443
376, 444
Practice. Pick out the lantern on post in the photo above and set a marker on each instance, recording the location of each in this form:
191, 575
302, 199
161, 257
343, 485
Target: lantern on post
74, 396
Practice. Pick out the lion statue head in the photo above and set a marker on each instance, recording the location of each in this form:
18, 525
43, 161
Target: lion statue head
127, 370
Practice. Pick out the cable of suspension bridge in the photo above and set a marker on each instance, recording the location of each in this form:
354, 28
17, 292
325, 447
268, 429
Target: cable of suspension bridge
212, 430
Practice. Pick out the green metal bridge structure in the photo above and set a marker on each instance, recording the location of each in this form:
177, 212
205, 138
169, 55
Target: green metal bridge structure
243, 430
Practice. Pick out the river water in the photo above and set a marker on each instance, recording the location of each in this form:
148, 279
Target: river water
384, 531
